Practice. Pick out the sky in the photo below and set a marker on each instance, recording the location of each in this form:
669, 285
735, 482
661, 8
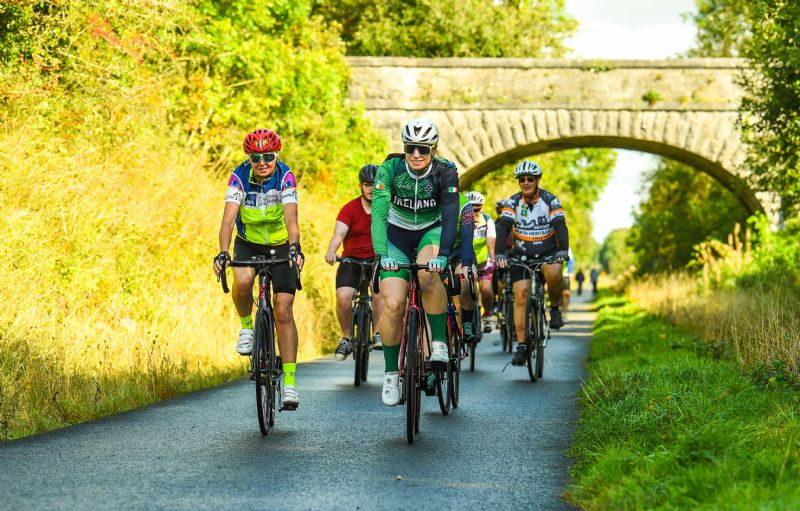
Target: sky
627, 29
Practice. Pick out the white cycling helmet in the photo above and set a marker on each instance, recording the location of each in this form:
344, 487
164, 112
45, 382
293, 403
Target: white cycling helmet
420, 131
475, 198
528, 168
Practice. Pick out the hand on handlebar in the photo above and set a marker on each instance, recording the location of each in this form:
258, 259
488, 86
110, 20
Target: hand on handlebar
388, 263
501, 260
296, 254
220, 261
561, 256
438, 264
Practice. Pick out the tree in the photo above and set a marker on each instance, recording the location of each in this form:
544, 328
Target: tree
770, 111
683, 208
450, 28
723, 28
615, 255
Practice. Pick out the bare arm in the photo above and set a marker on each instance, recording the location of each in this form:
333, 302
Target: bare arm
226, 229
340, 230
490, 244
290, 218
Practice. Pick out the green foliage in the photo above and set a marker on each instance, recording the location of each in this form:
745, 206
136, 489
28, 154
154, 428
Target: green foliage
723, 28
771, 107
577, 177
683, 208
665, 427
651, 97
450, 28
615, 255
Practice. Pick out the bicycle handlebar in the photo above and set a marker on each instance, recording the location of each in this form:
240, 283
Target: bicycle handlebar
362, 262
259, 263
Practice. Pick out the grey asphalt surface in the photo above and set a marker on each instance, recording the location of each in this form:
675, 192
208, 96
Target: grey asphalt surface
504, 447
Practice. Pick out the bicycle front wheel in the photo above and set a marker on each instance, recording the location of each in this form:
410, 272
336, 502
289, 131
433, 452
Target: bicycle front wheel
530, 337
511, 333
454, 373
540, 326
262, 356
411, 374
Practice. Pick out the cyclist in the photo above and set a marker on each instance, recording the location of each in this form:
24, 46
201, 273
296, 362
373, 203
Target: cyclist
463, 256
352, 227
483, 241
536, 220
261, 204
498, 282
414, 208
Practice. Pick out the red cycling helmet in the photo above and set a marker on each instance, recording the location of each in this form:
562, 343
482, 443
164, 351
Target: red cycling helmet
262, 141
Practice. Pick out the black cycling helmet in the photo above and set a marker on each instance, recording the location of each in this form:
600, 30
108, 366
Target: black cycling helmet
367, 173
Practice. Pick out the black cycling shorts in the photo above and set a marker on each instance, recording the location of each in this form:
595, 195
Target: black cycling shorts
518, 273
283, 280
348, 274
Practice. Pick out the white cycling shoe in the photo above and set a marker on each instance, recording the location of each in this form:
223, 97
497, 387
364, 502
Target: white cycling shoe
391, 389
439, 352
245, 344
290, 398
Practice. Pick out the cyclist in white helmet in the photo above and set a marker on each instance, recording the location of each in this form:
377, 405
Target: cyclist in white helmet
483, 241
414, 209
536, 221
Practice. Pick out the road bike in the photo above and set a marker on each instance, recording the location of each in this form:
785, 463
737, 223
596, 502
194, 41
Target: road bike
265, 364
417, 372
537, 330
457, 348
361, 326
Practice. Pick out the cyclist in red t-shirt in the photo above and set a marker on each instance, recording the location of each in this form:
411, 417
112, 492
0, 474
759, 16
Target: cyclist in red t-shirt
353, 226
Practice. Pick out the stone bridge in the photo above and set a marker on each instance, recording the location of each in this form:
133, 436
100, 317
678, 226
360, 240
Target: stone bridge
493, 112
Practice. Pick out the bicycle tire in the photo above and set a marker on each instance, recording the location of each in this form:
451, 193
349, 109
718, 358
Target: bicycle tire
455, 363
540, 321
443, 389
358, 347
411, 384
364, 361
261, 367
511, 331
530, 336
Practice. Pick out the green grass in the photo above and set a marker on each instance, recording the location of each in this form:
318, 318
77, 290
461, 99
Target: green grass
664, 426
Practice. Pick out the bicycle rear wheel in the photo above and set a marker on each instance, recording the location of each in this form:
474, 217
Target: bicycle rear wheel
365, 341
358, 345
263, 364
454, 371
511, 335
411, 375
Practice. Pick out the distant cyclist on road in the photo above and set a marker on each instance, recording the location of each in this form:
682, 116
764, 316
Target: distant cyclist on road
353, 228
483, 241
261, 204
414, 207
536, 220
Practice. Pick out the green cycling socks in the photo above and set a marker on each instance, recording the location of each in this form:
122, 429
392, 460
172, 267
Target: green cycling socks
390, 356
247, 321
438, 327
289, 370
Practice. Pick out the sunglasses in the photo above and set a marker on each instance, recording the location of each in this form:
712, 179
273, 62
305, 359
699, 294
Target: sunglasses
423, 150
267, 157
528, 179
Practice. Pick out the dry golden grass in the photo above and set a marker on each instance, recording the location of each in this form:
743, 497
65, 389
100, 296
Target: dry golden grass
109, 300
761, 324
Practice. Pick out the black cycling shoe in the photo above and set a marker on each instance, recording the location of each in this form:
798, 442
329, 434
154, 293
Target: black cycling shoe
520, 356
555, 319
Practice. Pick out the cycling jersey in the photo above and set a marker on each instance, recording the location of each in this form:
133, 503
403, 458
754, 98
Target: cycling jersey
538, 227
260, 219
484, 229
414, 202
462, 252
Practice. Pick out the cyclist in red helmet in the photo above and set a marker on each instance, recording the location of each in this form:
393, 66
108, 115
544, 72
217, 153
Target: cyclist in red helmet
261, 204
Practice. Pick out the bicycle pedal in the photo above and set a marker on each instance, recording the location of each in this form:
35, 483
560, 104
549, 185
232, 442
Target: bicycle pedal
289, 407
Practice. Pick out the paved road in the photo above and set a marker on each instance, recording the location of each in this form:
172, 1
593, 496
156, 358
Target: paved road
503, 447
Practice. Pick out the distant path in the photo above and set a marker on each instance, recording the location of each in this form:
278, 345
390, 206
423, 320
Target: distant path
504, 447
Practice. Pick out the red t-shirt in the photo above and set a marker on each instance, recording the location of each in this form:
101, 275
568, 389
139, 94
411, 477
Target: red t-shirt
358, 241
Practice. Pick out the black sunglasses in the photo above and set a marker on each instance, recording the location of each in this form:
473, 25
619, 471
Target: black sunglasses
423, 150
267, 157
528, 179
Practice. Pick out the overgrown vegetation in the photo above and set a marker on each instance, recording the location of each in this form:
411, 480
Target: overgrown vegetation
665, 426
450, 28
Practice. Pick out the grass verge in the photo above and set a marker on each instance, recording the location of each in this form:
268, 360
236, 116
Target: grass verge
664, 426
